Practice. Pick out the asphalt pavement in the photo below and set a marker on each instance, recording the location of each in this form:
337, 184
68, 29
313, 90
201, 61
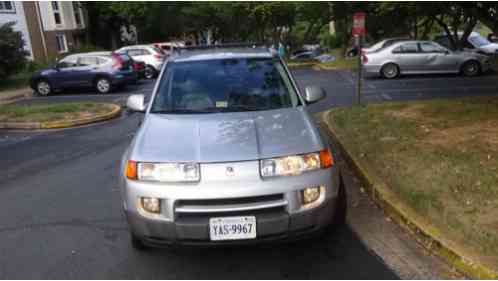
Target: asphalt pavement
62, 214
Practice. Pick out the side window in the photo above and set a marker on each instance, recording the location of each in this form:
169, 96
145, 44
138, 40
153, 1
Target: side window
87, 61
144, 52
409, 48
101, 61
67, 62
427, 47
134, 52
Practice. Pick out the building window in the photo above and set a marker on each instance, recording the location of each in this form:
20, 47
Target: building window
7, 7
61, 43
57, 12
77, 13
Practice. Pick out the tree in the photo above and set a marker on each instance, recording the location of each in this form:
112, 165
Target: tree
12, 53
454, 18
487, 13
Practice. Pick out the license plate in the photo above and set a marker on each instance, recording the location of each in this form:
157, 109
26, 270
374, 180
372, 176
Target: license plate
232, 228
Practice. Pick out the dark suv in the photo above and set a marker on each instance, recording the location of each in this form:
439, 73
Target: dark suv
103, 71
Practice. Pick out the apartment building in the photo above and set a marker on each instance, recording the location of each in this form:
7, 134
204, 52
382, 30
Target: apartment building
49, 28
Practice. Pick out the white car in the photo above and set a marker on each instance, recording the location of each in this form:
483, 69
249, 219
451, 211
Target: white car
153, 58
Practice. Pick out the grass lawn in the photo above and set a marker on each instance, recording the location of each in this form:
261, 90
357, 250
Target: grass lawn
340, 61
440, 157
50, 112
14, 82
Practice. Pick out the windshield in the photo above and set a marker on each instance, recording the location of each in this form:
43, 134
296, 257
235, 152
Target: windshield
224, 85
479, 41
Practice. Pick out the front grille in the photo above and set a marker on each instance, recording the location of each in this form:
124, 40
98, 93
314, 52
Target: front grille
229, 201
257, 205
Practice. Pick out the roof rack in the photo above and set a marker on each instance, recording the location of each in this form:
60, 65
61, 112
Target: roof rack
220, 46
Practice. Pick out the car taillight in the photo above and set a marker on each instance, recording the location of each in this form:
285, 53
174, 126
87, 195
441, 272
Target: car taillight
364, 58
158, 56
118, 62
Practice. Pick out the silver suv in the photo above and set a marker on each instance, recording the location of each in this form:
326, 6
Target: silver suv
227, 153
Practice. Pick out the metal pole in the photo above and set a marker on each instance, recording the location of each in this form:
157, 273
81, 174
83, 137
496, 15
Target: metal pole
358, 86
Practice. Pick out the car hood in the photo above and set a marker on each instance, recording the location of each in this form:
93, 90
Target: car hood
490, 48
225, 137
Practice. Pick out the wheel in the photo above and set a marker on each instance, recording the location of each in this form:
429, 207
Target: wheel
150, 72
471, 68
390, 71
137, 243
102, 85
43, 87
342, 204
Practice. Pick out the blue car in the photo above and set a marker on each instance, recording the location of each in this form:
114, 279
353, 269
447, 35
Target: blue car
103, 71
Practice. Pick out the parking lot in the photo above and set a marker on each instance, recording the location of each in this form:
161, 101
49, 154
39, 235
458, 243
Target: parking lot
60, 190
341, 87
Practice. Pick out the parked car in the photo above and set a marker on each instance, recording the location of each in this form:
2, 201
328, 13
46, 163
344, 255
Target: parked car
138, 66
475, 42
251, 165
153, 58
169, 47
423, 57
383, 44
104, 71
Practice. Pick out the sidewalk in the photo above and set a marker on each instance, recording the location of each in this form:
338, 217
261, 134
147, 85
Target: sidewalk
14, 95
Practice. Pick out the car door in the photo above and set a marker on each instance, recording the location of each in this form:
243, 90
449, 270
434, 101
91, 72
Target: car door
438, 59
85, 72
64, 75
409, 57
139, 54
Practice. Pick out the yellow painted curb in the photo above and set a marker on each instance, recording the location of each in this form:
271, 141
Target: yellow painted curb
426, 233
116, 110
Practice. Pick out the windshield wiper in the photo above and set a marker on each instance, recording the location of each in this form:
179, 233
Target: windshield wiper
241, 107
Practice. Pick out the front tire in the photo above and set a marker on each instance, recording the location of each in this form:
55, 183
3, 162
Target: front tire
390, 71
43, 88
103, 85
471, 68
150, 72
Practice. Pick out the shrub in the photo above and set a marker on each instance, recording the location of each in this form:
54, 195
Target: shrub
12, 53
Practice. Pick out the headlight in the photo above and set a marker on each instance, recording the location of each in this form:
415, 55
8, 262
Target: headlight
165, 172
296, 164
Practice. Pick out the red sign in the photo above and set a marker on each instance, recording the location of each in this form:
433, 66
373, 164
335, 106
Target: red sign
359, 24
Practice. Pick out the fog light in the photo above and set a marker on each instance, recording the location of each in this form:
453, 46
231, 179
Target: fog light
151, 205
310, 195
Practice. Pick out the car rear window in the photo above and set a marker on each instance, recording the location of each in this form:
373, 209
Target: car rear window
224, 85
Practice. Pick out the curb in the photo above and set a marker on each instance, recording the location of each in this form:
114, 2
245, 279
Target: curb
116, 110
425, 233
23, 93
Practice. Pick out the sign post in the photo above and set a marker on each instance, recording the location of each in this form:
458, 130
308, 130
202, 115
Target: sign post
358, 32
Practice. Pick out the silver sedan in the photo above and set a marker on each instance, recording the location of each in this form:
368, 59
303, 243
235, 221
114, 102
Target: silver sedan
422, 57
227, 153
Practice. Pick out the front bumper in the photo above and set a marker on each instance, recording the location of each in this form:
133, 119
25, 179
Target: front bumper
278, 227
286, 220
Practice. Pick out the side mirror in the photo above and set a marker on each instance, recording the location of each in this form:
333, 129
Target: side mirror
313, 94
136, 103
